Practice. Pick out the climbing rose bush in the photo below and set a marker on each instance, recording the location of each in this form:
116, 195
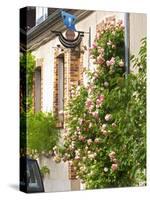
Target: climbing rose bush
105, 132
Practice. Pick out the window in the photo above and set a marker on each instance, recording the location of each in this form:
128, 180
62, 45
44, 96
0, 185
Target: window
60, 87
41, 14
38, 89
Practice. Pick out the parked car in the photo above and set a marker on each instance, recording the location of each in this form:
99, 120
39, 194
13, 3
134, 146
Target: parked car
30, 176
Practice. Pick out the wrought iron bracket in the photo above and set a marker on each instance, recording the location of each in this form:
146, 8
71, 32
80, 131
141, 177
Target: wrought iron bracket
69, 43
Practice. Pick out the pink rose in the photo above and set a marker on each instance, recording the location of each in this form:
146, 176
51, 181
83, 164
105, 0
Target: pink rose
97, 35
91, 108
114, 167
100, 100
81, 138
94, 45
112, 61
95, 114
80, 121
100, 60
89, 141
89, 104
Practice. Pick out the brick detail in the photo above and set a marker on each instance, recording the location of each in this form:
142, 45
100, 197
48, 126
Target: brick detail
72, 172
73, 75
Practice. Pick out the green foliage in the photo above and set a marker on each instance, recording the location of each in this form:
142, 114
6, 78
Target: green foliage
27, 67
42, 134
105, 139
44, 171
38, 132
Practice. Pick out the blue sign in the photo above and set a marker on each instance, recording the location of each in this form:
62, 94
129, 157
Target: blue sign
69, 20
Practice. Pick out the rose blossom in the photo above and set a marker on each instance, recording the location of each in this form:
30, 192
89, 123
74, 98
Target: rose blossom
78, 129
81, 138
97, 140
112, 61
109, 43
100, 100
95, 114
100, 50
90, 125
91, 108
80, 121
89, 104
105, 169
92, 156
77, 157
108, 63
114, 167
114, 125
108, 117
121, 63
89, 141
112, 155
100, 60
106, 84
94, 45
97, 35
104, 126
113, 46
104, 132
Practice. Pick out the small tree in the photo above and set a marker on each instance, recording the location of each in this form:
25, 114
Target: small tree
105, 137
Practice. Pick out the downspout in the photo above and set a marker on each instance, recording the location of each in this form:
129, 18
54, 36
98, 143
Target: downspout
89, 46
127, 43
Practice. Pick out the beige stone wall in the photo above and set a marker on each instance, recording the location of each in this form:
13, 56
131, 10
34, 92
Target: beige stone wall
138, 30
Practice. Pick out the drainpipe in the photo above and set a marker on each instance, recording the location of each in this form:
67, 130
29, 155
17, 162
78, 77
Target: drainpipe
89, 46
127, 43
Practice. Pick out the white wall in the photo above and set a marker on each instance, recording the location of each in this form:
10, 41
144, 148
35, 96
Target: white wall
47, 53
138, 30
57, 180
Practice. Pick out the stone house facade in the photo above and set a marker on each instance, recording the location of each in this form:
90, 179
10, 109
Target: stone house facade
58, 68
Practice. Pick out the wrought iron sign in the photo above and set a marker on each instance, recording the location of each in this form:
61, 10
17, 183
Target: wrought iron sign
72, 37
